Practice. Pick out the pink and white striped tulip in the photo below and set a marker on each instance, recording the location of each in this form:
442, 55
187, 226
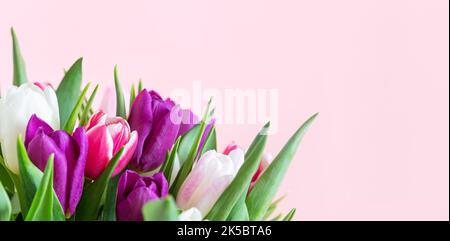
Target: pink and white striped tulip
106, 136
209, 177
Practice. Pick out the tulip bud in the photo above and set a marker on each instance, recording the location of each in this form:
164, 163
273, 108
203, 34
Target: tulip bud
106, 136
209, 177
265, 161
133, 191
16, 108
159, 123
69, 160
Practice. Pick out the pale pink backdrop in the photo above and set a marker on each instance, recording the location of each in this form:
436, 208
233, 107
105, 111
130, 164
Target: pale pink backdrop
377, 71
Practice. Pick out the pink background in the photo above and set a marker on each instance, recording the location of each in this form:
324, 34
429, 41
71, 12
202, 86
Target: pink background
377, 71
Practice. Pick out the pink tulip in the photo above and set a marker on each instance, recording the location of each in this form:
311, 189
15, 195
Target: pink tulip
106, 136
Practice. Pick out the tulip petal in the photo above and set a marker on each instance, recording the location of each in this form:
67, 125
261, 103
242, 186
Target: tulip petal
151, 117
155, 96
161, 183
206, 166
128, 152
141, 120
134, 191
98, 138
39, 149
265, 160
34, 124
237, 156
216, 167
119, 130
212, 193
160, 140
98, 118
130, 208
76, 167
126, 184
232, 146
210, 176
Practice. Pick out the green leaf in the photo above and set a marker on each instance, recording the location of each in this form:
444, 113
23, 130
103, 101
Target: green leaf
29, 181
259, 199
290, 215
210, 141
120, 99
5, 204
41, 208
189, 138
272, 207
5, 178
20, 73
132, 95
277, 218
241, 182
87, 109
239, 211
167, 167
140, 87
257, 139
70, 124
109, 209
186, 165
69, 90
186, 142
90, 202
160, 210
58, 212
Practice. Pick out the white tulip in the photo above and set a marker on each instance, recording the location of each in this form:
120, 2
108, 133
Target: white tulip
192, 214
16, 108
209, 177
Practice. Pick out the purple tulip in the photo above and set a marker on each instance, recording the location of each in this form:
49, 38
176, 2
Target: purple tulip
158, 123
133, 191
69, 160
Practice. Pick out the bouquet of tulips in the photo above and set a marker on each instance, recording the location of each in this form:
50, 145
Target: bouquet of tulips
63, 160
